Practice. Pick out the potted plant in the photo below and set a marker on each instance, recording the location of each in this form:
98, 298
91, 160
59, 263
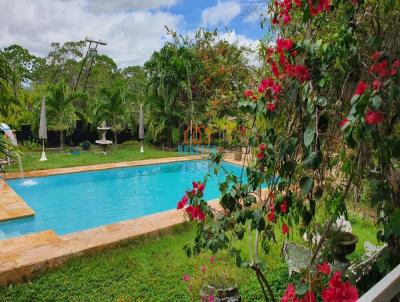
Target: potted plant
217, 281
342, 240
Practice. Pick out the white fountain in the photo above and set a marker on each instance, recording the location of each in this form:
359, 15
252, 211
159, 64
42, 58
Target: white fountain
10, 135
103, 142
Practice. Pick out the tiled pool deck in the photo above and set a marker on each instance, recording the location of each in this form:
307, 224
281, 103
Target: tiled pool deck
21, 258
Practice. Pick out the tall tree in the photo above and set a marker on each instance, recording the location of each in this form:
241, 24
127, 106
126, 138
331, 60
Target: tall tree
61, 113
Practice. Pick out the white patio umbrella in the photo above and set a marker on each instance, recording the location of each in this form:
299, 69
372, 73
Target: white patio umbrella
141, 127
43, 128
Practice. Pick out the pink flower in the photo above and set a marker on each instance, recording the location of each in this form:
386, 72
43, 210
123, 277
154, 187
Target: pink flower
344, 122
183, 202
211, 298
309, 297
271, 107
373, 117
186, 278
324, 268
203, 269
361, 87
212, 259
285, 229
396, 64
248, 93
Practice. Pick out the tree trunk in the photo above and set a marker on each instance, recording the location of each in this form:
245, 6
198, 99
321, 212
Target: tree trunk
61, 140
115, 136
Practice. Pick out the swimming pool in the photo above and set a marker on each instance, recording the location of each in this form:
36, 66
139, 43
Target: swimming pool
73, 202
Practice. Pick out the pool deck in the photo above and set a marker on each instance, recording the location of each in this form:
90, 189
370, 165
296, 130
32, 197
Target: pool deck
23, 257
12, 206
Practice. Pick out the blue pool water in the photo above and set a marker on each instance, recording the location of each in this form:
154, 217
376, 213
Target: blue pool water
73, 202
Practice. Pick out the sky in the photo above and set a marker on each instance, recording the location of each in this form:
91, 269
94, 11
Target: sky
133, 29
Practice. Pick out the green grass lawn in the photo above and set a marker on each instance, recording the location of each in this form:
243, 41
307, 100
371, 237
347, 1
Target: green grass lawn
149, 270
56, 159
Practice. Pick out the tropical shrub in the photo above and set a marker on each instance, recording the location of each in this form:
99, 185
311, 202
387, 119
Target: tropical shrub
320, 121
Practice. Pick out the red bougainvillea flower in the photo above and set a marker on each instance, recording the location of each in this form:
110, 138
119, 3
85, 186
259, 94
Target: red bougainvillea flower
260, 155
201, 187
396, 64
376, 85
283, 44
261, 147
261, 88
276, 88
361, 87
283, 207
339, 291
380, 68
290, 293
271, 216
275, 70
376, 55
186, 278
201, 215
298, 3
294, 53
285, 229
183, 202
195, 213
373, 117
248, 93
324, 268
393, 71
271, 107
309, 297
344, 122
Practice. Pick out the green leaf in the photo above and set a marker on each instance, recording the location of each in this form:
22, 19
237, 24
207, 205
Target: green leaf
322, 101
376, 102
301, 289
306, 184
309, 136
312, 161
395, 222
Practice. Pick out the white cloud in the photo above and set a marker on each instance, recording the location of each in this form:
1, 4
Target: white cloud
222, 13
252, 45
104, 6
132, 36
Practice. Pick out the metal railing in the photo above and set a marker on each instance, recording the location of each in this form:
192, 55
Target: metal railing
385, 290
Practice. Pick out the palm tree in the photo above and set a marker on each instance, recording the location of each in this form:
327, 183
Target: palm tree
111, 107
170, 91
61, 111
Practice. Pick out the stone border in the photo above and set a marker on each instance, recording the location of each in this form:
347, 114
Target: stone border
77, 169
12, 206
